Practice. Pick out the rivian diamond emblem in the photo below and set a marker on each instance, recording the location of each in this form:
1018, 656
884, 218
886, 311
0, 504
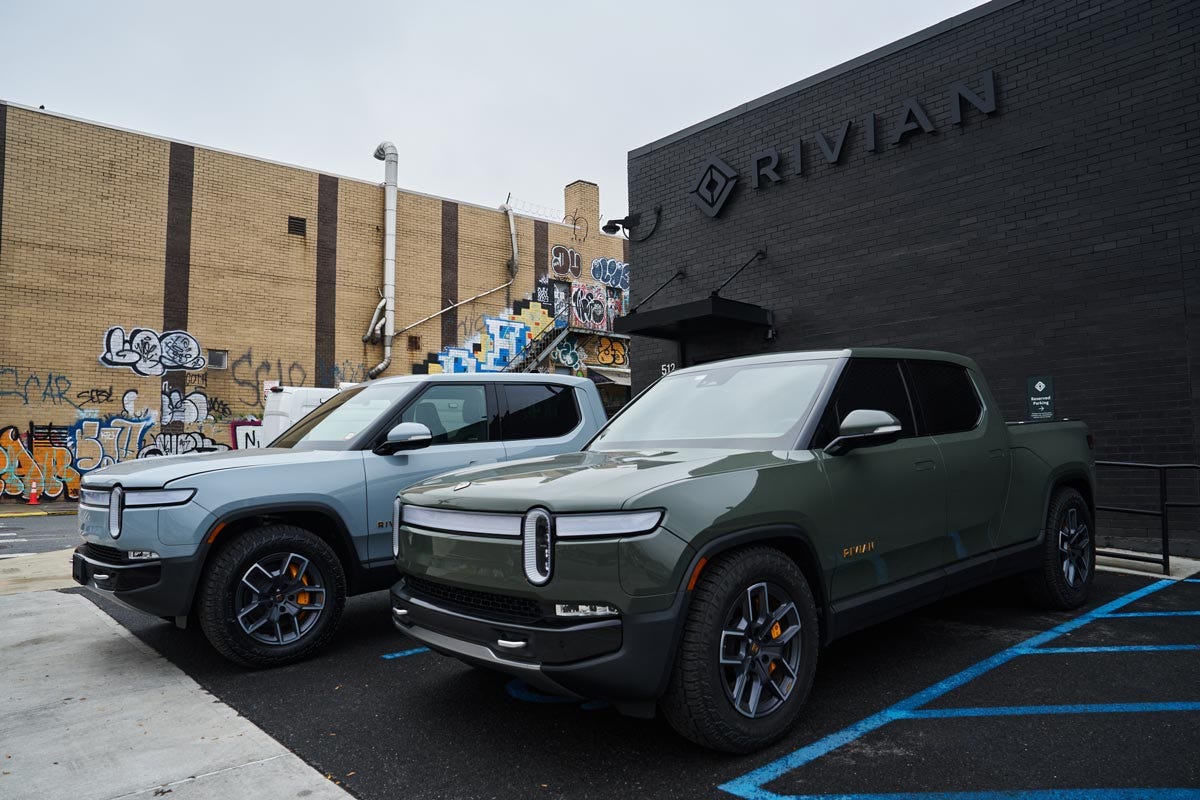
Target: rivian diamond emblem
714, 185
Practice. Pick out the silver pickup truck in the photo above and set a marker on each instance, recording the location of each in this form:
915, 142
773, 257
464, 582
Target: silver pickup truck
264, 546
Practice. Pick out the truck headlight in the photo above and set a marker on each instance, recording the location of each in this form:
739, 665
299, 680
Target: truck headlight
397, 513
116, 505
157, 497
624, 523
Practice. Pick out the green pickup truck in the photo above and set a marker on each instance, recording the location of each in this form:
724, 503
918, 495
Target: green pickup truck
734, 518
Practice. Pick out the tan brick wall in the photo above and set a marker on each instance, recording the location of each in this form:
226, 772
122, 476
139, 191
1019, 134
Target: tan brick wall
83, 250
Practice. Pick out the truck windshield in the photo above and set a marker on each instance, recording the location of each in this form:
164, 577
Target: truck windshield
337, 421
750, 407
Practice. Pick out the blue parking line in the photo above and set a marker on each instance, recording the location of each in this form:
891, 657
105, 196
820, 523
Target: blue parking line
1116, 648
750, 784
1017, 711
403, 653
1031, 794
1156, 614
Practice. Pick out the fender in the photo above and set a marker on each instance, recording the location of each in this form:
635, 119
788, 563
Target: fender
1072, 471
791, 533
343, 543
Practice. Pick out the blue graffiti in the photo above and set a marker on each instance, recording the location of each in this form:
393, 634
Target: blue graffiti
611, 272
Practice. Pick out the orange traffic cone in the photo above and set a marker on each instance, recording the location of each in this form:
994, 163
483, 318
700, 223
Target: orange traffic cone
33, 494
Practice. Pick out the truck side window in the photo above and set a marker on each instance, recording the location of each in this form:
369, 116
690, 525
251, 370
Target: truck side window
874, 383
454, 413
946, 396
538, 411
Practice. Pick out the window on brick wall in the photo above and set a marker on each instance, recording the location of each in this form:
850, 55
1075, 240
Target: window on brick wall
414, 343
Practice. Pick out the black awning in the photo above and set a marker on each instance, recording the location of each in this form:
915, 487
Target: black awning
710, 315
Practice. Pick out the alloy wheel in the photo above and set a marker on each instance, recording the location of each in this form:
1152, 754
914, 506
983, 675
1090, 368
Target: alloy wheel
1074, 540
280, 598
759, 654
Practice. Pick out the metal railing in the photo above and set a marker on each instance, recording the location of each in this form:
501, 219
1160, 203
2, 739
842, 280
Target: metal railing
536, 348
1164, 505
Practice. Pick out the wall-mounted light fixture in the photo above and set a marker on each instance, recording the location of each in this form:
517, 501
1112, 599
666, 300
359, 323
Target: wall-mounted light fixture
630, 223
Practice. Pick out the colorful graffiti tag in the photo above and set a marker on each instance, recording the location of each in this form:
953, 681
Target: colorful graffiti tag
611, 352
611, 272
491, 349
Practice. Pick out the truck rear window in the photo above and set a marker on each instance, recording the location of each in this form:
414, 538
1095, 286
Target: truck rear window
946, 396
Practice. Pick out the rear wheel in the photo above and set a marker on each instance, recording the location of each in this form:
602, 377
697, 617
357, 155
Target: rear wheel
1064, 579
272, 596
748, 653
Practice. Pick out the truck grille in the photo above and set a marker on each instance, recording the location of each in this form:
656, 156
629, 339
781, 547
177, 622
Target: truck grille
109, 555
493, 606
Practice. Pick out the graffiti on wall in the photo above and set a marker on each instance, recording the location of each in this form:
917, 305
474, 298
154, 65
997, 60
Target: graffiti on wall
102, 443
149, 353
562, 303
565, 263
174, 444
589, 306
612, 352
490, 349
569, 353
54, 389
611, 272
19, 470
249, 372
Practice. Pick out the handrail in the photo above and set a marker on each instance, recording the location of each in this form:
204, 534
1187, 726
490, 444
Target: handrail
524, 352
1164, 504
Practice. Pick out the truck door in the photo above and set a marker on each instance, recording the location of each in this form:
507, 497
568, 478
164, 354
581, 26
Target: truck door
890, 499
461, 417
973, 440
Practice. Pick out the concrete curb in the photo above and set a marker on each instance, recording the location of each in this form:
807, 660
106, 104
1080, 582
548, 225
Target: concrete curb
66, 512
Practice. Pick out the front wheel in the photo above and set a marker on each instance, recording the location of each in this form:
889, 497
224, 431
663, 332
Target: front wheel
748, 653
272, 596
1064, 579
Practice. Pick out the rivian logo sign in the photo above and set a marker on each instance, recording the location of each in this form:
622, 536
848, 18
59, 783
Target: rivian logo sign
715, 179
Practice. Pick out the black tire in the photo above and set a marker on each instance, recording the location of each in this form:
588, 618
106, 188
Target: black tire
1064, 578
699, 702
232, 618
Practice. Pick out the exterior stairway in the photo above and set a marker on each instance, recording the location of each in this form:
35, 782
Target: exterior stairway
537, 350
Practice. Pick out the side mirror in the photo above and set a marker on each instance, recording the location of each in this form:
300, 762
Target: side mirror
864, 427
405, 436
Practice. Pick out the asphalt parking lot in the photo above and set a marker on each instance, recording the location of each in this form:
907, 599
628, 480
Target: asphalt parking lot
975, 698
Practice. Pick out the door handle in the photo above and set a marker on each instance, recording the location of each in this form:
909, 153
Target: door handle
927, 464
997, 453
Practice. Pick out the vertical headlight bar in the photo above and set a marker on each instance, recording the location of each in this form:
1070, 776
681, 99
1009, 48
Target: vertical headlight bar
396, 515
116, 505
538, 546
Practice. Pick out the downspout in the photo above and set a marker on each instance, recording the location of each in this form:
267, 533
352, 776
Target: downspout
376, 319
387, 153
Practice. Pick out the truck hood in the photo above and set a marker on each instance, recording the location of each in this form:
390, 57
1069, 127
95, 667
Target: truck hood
586, 481
157, 471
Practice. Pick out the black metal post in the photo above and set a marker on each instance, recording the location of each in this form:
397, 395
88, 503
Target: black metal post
1162, 507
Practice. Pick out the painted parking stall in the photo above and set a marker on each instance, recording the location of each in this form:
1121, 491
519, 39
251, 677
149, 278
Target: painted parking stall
923, 707
968, 699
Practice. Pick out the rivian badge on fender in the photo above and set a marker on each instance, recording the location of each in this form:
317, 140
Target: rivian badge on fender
858, 549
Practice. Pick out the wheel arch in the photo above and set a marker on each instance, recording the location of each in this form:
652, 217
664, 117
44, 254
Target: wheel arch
1072, 477
792, 540
319, 520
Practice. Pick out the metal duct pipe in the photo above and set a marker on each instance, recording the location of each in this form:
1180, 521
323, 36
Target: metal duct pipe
513, 262
387, 153
376, 318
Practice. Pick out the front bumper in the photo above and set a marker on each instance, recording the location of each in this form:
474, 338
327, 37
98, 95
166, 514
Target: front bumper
619, 659
162, 586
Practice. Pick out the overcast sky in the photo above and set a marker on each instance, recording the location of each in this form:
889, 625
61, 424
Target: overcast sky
482, 98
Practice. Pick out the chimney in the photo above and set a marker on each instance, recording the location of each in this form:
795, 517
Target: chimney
581, 200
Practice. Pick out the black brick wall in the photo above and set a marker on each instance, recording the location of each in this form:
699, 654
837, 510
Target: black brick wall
1057, 236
